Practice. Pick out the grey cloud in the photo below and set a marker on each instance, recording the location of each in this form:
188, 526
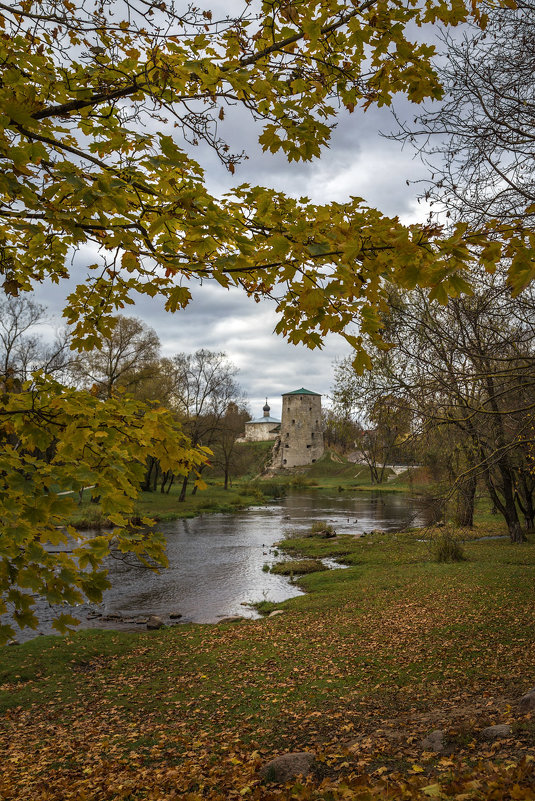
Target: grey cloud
226, 320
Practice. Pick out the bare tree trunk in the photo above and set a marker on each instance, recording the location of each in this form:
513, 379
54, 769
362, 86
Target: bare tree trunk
510, 508
526, 501
165, 477
507, 508
466, 496
146, 485
182, 496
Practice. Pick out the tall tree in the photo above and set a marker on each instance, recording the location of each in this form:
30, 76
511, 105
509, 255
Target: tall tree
56, 442
224, 445
204, 387
480, 140
128, 358
382, 420
17, 317
98, 115
21, 349
469, 366
340, 429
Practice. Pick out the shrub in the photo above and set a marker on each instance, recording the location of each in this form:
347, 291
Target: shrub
263, 489
322, 529
448, 547
300, 482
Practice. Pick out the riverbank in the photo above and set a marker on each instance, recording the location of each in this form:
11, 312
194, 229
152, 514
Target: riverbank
331, 473
163, 507
359, 670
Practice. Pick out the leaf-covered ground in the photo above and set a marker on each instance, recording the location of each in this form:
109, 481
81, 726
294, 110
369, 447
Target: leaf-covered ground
359, 670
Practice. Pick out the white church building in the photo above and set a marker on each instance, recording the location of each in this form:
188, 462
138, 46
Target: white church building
263, 428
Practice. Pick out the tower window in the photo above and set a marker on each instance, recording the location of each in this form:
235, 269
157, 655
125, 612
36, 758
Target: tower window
312, 435
308, 446
293, 422
284, 461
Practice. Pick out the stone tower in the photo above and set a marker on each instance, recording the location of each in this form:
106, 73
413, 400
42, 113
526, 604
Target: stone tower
301, 432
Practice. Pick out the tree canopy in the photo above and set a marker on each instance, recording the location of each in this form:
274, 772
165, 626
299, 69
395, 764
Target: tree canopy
463, 373
99, 110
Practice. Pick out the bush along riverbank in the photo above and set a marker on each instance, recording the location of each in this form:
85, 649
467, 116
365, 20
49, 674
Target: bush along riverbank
400, 676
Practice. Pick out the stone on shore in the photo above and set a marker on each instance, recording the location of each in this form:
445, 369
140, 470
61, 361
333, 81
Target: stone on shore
496, 732
286, 767
434, 741
527, 702
154, 622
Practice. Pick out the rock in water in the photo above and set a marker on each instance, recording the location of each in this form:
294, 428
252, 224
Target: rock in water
288, 766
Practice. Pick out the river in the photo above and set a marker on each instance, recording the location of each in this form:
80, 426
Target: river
216, 561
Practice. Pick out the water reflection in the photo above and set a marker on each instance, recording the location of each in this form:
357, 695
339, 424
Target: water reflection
352, 514
216, 561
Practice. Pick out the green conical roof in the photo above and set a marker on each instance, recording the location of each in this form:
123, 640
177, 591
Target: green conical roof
301, 391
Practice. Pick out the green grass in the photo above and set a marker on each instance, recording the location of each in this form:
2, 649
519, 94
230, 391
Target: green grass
298, 567
385, 570
395, 639
333, 471
162, 506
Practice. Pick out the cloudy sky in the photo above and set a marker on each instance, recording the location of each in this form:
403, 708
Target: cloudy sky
359, 162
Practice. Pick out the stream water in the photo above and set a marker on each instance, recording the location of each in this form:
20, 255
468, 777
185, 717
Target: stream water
216, 561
